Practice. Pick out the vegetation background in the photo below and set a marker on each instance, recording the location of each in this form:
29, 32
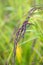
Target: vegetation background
30, 49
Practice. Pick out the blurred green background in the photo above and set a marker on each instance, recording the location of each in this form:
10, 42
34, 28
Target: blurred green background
30, 48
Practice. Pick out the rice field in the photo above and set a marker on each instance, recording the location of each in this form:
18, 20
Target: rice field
29, 49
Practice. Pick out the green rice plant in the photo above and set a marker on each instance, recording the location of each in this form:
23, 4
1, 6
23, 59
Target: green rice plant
29, 50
